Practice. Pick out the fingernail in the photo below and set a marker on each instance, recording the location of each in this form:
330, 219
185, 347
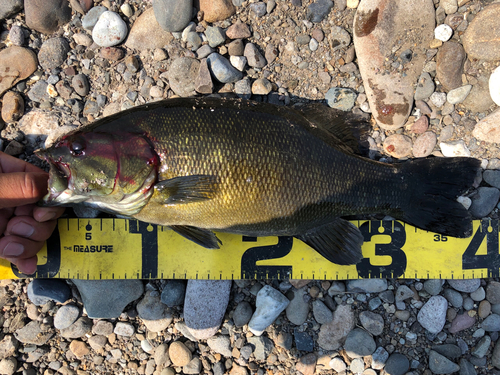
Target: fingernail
23, 229
13, 249
48, 216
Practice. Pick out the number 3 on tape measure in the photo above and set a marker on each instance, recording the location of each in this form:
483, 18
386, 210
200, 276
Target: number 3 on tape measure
397, 266
491, 260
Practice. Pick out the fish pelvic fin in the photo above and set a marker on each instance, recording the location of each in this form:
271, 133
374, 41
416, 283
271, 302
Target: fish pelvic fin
202, 237
187, 189
436, 183
338, 241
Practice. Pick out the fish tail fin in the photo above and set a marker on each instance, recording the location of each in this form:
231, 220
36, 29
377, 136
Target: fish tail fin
435, 184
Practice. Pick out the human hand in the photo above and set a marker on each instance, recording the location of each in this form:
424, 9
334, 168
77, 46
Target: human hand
24, 227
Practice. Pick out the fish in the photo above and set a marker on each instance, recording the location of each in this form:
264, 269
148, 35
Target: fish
202, 165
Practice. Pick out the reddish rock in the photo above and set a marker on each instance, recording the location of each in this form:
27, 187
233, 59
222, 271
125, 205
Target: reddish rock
397, 145
379, 26
420, 126
461, 322
146, 33
112, 53
12, 106
217, 10
424, 145
238, 30
488, 129
16, 64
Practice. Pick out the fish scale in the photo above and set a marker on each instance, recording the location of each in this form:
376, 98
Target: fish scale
256, 169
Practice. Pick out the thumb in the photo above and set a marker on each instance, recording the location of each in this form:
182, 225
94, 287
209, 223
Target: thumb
20, 188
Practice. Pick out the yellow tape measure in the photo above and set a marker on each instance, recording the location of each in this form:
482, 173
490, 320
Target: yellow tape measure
97, 249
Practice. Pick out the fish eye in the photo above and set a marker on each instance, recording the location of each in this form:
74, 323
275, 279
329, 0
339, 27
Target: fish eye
77, 147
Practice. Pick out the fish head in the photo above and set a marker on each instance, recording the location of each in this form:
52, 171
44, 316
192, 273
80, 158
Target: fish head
82, 166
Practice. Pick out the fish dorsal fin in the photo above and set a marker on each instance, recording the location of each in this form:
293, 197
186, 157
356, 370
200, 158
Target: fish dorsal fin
339, 241
336, 127
202, 237
187, 189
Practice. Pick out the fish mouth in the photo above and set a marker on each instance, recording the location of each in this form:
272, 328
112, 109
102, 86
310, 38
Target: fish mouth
60, 184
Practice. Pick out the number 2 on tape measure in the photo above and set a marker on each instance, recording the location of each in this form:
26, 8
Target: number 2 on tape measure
491, 260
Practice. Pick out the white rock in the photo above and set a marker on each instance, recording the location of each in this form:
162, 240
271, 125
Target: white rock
127, 10
495, 86
270, 303
459, 94
454, 148
238, 62
352, 4
189, 28
432, 316
443, 32
488, 129
438, 99
466, 202
110, 30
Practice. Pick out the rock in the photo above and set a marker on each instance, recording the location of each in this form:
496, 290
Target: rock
203, 82
53, 53
339, 37
424, 145
254, 57
459, 94
112, 53
454, 297
332, 335
367, 285
146, 33
269, 304
79, 348
433, 286
448, 350
8, 366
466, 368
204, 307
379, 358
318, 10
461, 322
238, 30
439, 364
182, 75
46, 16
12, 106
307, 364
173, 15
493, 292
378, 27
271, 53
204, 51
261, 86
66, 316
337, 364
216, 10
262, 347
450, 61
106, 299
236, 48
179, 354
16, 34
443, 32
220, 344
466, 286
155, 315
425, 86
492, 177
239, 62
432, 315
259, 9
215, 36
488, 129
91, 18
482, 38
491, 323
341, 98
8, 346
359, 343
398, 145
16, 64
495, 358
40, 127
173, 293
222, 69
9, 8
454, 148
124, 329
479, 99
372, 322
32, 333
481, 348
438, 99
109, 30
298, 308
41, 291
494, 86
484, 201
80, 84
322, 314
396, 364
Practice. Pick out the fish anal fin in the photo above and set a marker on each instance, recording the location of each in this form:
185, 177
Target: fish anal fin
202, 237
339, 128
187, 189
338, 241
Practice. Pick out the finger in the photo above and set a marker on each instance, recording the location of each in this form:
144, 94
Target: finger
11, 164
5, 215
19, 189
47, 213
28, 227
26, 210
26, 266
14, 247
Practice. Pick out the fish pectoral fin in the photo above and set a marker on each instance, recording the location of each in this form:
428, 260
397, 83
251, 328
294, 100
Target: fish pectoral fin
339, 241
202, 237
187, 189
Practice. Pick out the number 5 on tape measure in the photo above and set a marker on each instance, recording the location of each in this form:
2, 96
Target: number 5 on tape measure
123, 249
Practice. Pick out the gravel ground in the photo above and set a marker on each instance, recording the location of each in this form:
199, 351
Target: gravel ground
59, 69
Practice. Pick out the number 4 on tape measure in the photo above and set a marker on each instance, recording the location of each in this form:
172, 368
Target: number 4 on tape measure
491, 260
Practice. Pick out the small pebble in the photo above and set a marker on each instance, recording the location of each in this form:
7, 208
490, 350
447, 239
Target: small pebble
443, 32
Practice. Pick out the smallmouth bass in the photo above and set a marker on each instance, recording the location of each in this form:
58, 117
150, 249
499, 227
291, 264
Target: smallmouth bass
256, 169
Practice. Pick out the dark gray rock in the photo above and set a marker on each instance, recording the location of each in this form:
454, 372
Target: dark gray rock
215, 36
53, 53
466, 368
303, 341
173, 293
242, 314
222, 69
46, 16
173, 15
262, 347
484, 201
318, 10
397, 364
466, 286
182, 75
284, 340
454, 297
341, 98
9, 8
41, 291
359, 343
448, 350
440, 364
481, 348
78, 329
492, 177
491, 323
106, 299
